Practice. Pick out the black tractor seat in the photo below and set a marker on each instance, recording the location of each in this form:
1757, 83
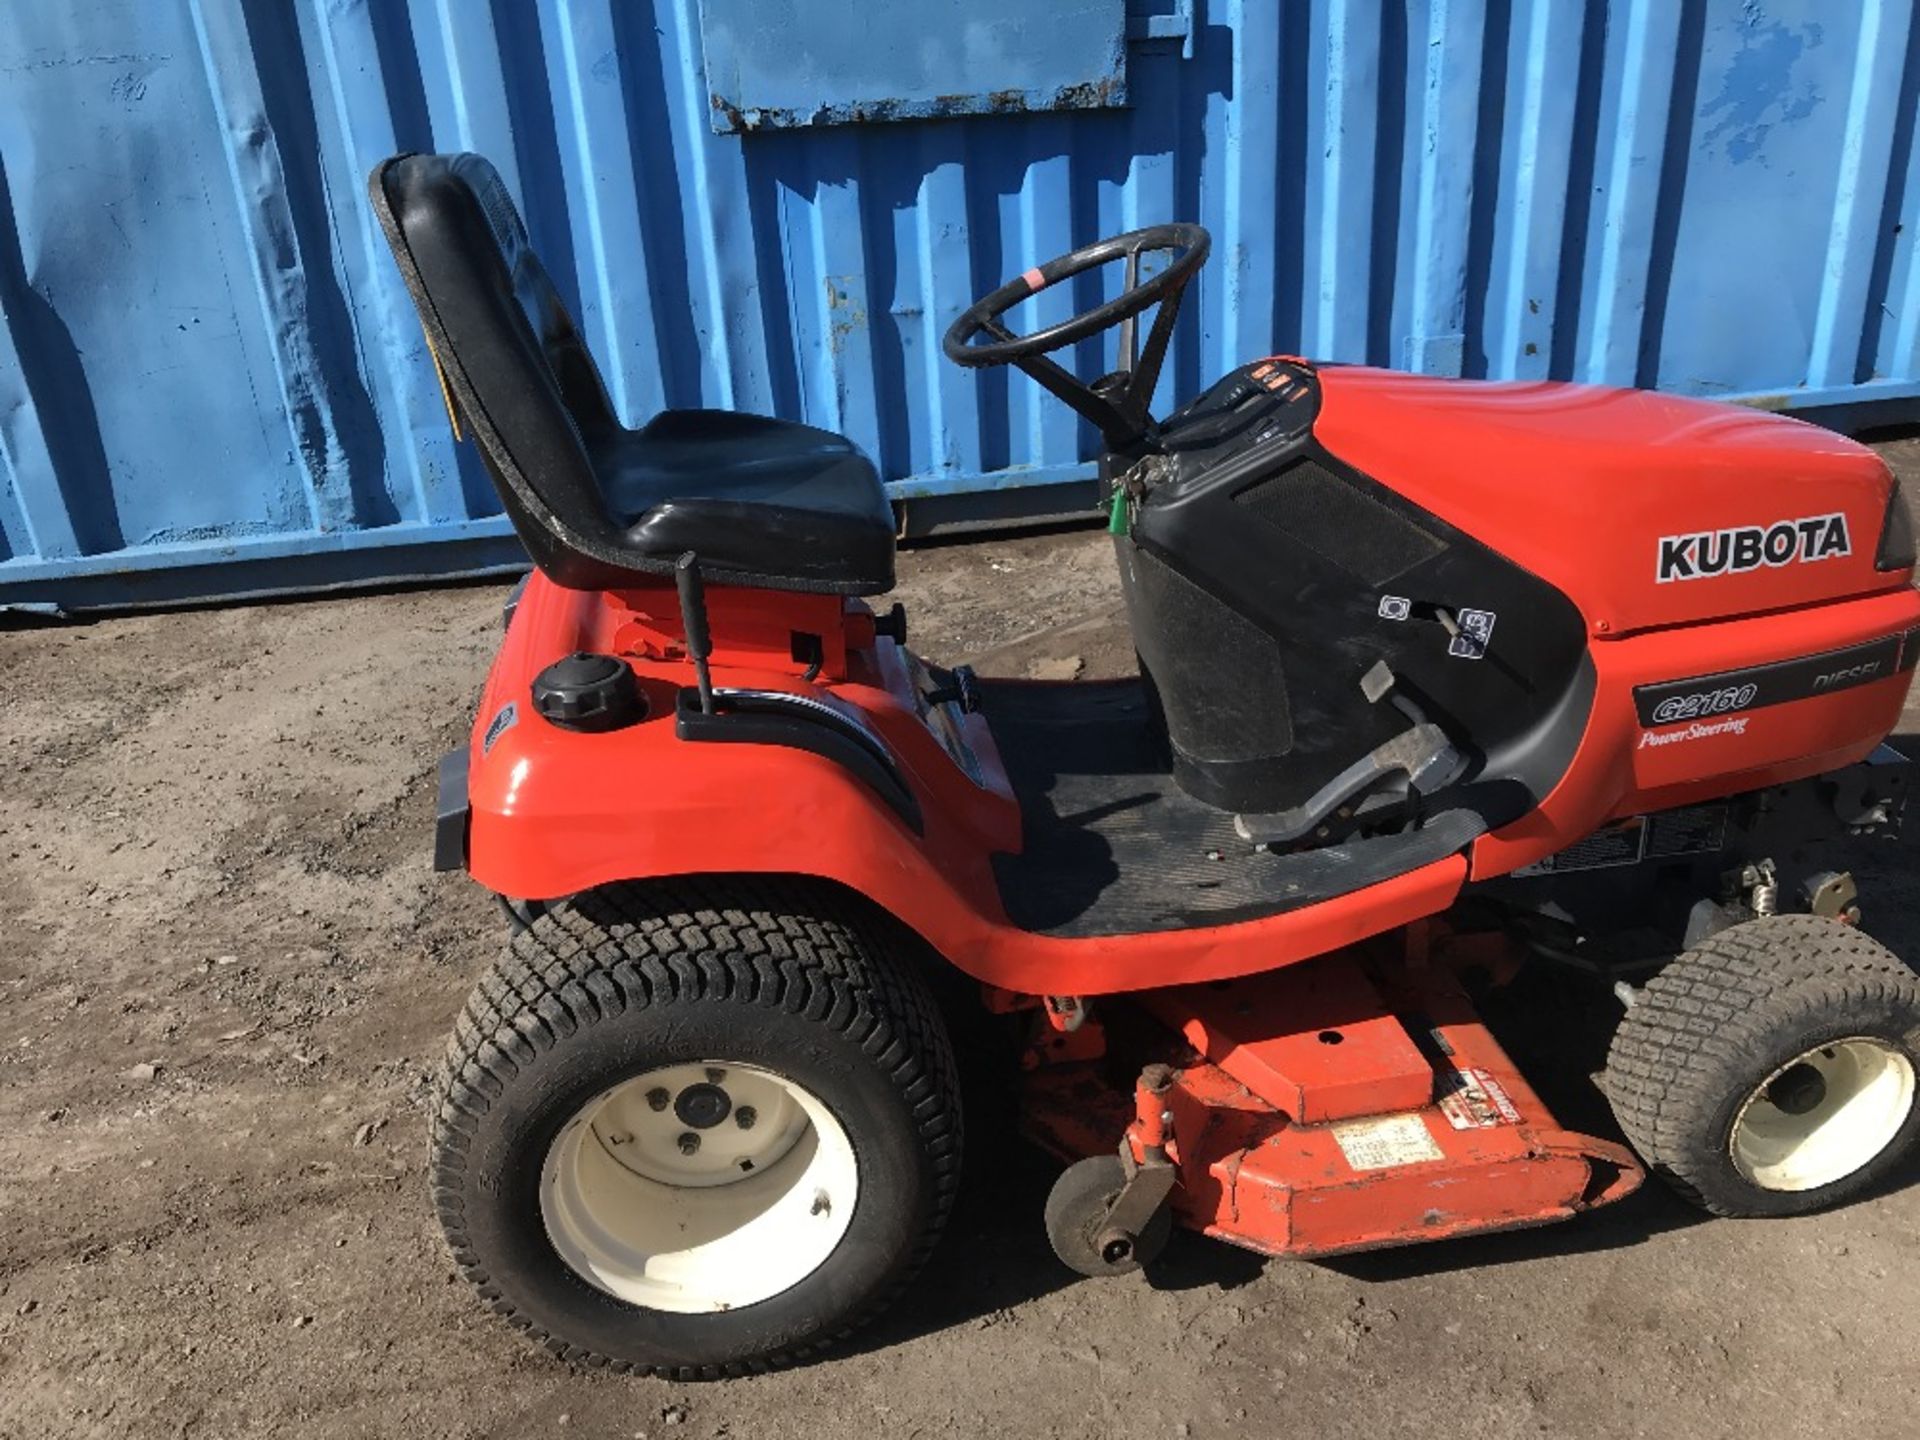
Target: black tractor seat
765, 503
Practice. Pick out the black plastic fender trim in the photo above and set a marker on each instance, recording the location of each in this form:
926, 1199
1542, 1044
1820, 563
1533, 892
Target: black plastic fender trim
512, 602
801, 722
452, 811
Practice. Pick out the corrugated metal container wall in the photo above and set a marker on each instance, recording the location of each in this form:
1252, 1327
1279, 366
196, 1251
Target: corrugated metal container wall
211, 384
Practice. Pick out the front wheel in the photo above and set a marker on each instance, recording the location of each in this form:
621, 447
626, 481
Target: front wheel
1770, 1070
695, 1129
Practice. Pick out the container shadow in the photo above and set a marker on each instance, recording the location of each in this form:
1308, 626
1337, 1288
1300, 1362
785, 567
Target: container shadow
61, 392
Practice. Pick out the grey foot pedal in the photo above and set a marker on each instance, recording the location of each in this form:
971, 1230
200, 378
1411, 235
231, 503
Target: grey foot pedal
1422, 754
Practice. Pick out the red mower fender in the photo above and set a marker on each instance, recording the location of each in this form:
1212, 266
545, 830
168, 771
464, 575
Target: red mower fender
555, 811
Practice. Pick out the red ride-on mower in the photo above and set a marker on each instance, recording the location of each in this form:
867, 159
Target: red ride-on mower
1438, 679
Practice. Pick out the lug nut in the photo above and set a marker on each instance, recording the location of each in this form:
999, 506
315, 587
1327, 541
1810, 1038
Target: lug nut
658, 1098
689, 1142
745, 1116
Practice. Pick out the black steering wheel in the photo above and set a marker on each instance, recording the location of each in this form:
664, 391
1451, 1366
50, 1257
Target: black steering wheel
1117, 402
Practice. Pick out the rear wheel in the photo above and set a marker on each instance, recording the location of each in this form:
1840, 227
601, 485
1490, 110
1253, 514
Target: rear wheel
695, 1128
1771, 1070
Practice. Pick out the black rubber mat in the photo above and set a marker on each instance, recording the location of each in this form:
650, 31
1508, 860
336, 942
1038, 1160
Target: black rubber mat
1114, 847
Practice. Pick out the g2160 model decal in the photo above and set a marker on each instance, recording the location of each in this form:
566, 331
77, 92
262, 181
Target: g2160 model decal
1692, 706
1707, 553
1675, 702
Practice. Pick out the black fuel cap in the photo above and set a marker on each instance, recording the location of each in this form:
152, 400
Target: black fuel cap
590, 692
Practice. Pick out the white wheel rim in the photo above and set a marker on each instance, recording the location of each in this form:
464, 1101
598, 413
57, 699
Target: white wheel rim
748, 1214
1823, 1115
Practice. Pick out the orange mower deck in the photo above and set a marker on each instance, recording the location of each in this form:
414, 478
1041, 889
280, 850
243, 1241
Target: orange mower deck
1315, 1110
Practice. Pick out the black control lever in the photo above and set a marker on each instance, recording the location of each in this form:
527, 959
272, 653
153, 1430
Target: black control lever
962, 689
693, 615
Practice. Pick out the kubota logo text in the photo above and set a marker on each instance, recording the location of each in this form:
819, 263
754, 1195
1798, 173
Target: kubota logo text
1706, 553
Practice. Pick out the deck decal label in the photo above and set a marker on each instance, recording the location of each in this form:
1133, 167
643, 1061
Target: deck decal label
1703, 554
1382, 1142
1474, 1100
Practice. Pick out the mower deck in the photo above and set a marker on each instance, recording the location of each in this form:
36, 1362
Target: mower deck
1112, 846
1334, 1106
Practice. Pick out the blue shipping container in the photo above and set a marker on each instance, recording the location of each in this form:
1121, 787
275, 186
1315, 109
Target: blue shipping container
211, 383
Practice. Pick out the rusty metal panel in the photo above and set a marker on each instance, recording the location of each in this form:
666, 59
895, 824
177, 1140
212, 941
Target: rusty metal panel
792, 63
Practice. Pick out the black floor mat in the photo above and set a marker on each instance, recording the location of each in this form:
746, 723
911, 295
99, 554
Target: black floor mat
1114, 847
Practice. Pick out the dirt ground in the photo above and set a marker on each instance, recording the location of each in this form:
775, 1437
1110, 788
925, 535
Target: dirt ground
226, 970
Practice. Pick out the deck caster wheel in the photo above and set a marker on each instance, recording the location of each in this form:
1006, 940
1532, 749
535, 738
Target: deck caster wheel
695, 1130
1077, 1225
1771, 1069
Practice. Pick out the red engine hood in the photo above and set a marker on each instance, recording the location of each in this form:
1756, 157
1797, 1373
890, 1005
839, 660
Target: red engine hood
1645, 509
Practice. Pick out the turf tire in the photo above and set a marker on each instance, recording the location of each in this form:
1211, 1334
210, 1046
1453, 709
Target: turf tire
621, 980
1720, 1018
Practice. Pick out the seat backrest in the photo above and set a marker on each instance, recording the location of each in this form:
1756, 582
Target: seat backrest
511, 358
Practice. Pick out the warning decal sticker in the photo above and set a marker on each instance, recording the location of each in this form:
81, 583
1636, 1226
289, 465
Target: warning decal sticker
1476, 633
1474, 1100
1383, 1141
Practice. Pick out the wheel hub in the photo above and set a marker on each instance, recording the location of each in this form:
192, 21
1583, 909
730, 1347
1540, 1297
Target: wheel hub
672, 1208
1799, 1091
1823, 1115
702, 1106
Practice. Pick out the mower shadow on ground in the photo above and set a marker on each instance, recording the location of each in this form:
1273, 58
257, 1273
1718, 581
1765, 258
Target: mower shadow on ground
993, 1259
1653, 1210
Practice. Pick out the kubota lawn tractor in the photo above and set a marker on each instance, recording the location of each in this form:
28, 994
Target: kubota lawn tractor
1438, 680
